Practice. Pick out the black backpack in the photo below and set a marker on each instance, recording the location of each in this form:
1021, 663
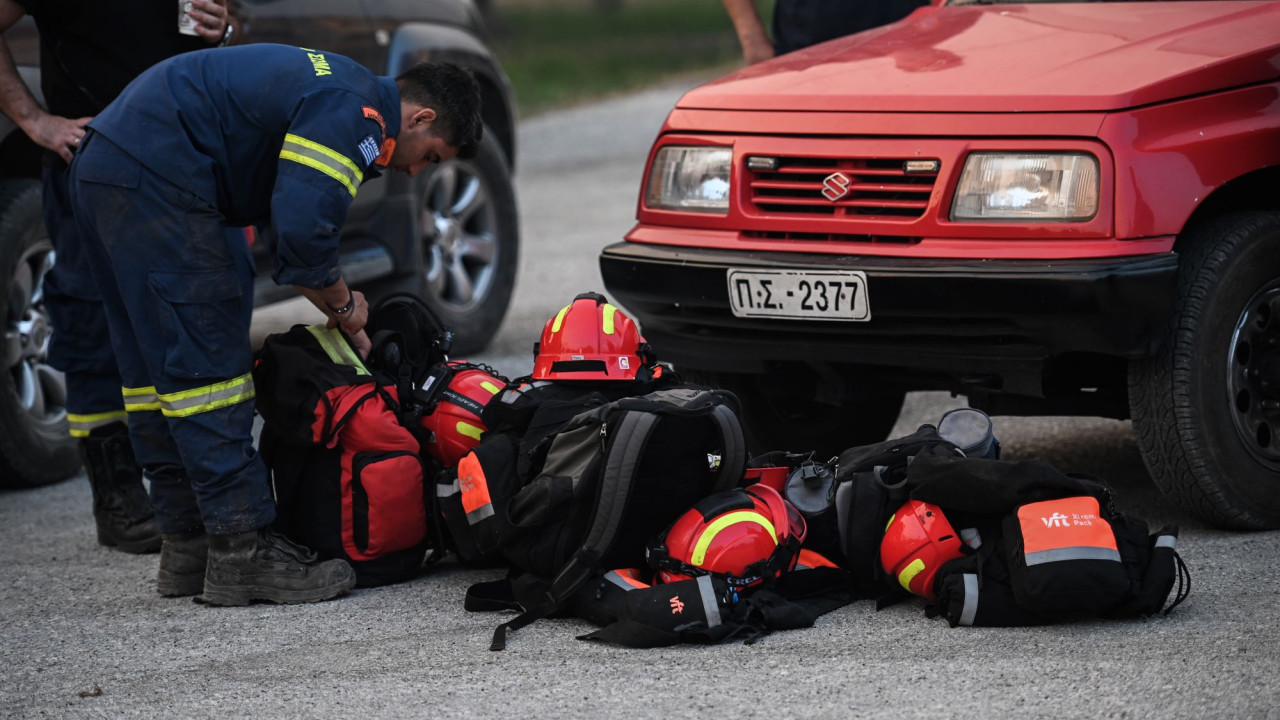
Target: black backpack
612, 477
870, 484
1052, 546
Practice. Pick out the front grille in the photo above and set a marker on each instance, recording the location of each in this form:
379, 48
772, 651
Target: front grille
828, 237
870, 186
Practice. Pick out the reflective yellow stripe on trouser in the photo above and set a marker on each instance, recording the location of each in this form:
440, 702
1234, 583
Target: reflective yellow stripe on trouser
81, 425
210, 397
140, 399
326, 160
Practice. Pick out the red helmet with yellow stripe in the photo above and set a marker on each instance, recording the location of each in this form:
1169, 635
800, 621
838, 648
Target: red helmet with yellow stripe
917, 541
746, 537
590, 339
454, 420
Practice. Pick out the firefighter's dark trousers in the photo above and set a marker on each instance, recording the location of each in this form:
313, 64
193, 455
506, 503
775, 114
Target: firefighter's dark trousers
80, 346
178, 293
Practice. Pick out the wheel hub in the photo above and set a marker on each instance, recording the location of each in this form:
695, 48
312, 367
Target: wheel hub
460, 252
1254, 376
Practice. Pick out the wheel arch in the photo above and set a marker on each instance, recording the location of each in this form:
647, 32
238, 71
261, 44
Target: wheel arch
1253, 191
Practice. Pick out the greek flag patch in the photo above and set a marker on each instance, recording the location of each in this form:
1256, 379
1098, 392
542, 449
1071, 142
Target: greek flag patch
369, 150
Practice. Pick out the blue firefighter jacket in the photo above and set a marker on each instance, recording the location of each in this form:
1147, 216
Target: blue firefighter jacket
264, 133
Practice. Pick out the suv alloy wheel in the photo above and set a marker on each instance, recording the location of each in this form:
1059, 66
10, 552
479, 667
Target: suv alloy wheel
35, 448
469, 244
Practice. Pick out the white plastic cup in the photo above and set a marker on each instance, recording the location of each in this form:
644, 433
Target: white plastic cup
186, 24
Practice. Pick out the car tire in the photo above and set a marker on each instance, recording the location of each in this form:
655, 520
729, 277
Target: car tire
468, 247
35, 448
793, 409
1206, 406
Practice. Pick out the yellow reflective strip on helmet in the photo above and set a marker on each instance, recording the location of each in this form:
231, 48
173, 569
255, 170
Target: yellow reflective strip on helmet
336, 348
491, 387
555, 324
722, 522
891, 518
909, 573
469, 430
609, 312
210, 397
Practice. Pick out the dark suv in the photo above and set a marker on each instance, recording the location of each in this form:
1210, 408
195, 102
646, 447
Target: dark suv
450, 235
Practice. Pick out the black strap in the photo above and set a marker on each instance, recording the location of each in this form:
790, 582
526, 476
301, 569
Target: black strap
734, 463
1184, 584
491, 596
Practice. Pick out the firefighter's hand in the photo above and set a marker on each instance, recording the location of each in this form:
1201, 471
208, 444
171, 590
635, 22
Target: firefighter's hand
211, 19
363, 344
59, 134
353, 321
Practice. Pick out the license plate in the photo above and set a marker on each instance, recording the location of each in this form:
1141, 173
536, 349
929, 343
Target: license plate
800, 294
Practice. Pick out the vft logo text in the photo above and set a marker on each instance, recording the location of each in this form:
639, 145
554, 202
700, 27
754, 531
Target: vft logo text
1055, 520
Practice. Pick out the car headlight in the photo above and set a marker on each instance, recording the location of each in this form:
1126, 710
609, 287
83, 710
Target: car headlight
693, 179
1027, 186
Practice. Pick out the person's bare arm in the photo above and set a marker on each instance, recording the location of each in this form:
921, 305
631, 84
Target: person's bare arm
751, 33
336, 296
59, 134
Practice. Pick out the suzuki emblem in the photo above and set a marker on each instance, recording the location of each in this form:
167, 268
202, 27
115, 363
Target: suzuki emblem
835, 186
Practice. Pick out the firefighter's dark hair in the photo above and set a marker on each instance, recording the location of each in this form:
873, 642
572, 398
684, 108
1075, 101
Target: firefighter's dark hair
453, 93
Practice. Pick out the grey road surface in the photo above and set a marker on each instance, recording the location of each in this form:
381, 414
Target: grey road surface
85, 635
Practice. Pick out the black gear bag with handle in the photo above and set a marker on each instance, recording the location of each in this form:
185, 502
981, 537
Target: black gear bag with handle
613, 477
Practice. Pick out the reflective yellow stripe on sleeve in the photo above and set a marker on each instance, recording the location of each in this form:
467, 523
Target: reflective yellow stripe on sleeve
140, 399
81, 425
326, 160
210, 397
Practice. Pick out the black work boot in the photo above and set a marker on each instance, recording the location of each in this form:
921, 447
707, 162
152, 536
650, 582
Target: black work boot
121, 508
265, 565
183, 557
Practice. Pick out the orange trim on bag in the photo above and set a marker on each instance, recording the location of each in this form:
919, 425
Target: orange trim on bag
1065, 523
631, 576
472, 483
809, 559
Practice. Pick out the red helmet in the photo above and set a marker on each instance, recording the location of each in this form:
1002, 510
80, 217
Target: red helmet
746, 537
917, 541
454, 421
590, 339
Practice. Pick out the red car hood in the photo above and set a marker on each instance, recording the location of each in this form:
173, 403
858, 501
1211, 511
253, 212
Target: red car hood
1018, 58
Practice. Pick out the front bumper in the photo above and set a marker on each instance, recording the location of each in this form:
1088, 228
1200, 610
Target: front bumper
992, 323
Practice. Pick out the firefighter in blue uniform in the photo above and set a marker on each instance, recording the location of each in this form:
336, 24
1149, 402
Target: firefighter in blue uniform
269, 135
89, 51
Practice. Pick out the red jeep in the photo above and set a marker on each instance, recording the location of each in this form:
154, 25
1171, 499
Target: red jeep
1050, 208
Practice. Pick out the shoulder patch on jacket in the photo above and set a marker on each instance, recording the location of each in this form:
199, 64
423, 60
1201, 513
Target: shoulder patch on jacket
374, 115
369, 149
